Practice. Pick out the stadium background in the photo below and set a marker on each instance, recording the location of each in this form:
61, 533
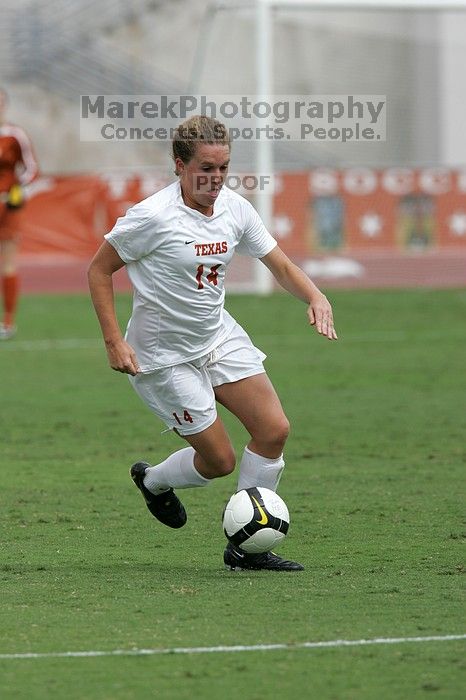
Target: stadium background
353, 215
97, 601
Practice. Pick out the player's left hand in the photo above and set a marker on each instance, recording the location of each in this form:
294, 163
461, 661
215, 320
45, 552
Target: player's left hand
320, 315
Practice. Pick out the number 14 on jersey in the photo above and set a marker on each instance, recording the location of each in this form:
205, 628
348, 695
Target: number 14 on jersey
211, 277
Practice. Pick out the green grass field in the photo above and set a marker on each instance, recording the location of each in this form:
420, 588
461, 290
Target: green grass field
374, 483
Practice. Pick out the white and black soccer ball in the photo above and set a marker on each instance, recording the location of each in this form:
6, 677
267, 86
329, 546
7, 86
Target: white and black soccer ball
256, 520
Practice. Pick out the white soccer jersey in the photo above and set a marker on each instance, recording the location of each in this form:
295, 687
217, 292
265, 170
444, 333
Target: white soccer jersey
176, 259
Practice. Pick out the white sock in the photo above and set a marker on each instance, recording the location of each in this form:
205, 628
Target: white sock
177, 471
256, 470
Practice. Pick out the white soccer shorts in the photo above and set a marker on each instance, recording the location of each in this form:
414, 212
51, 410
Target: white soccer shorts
182, 396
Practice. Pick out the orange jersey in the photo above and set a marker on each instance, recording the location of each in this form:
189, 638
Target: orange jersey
18, 163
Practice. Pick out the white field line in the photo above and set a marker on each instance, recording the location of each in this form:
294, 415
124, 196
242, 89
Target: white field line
388, 336
56, 344
332, 644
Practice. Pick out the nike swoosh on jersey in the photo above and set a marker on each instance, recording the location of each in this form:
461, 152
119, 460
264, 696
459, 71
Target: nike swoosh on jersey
188, 242
264, 519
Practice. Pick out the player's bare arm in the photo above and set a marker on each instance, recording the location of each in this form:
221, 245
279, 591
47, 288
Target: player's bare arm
295, 281
106, 262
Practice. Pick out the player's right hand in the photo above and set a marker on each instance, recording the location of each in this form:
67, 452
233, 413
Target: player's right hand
122, 357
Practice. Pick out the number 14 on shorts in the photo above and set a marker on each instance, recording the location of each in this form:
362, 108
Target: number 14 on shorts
187, 418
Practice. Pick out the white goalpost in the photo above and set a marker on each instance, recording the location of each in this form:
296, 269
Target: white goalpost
264, 12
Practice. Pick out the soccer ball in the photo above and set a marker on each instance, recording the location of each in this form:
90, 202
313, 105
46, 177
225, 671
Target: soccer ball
256, 520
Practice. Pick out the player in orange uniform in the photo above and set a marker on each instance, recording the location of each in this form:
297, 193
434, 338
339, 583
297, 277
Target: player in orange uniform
18, 167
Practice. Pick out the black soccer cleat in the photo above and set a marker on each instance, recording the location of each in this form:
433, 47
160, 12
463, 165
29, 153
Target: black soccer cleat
235, 558
165, 506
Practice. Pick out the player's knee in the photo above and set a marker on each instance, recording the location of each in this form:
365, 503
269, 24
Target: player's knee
225, 463
284, 429
219, 464
276, 435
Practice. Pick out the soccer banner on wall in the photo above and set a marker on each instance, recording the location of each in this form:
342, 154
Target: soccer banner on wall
316, 212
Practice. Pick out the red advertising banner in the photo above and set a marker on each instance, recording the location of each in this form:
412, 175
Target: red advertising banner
316, 212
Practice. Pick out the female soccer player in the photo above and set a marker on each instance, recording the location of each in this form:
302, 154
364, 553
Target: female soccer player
183, 351
18, 167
